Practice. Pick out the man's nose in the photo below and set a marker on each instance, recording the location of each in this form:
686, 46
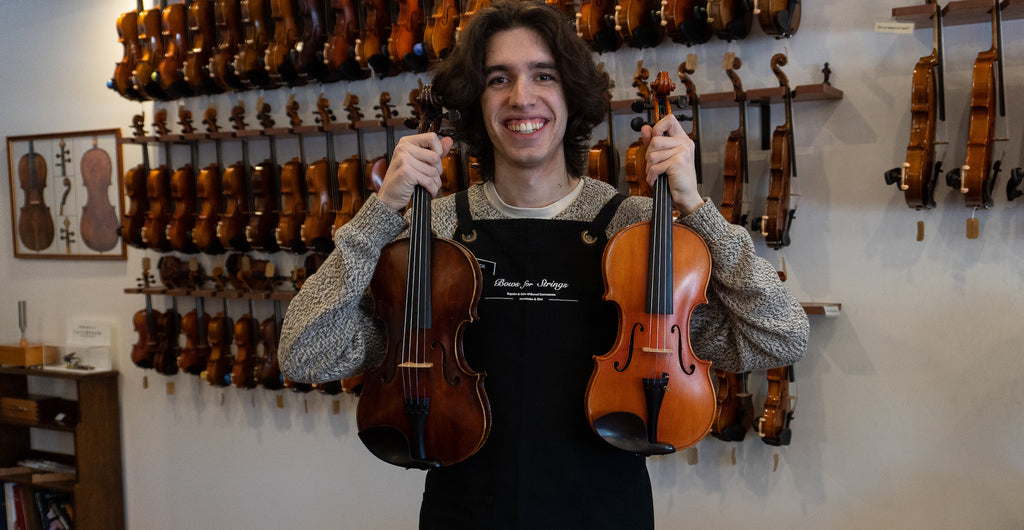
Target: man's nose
522, 93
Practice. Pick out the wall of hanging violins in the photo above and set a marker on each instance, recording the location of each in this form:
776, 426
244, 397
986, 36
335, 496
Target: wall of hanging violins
908, 388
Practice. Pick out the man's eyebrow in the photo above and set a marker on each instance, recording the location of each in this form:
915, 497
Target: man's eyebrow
536, 65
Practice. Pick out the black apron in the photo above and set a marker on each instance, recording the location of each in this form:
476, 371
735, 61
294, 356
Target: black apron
542, 320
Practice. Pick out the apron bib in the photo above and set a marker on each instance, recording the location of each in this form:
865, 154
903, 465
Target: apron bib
542, 320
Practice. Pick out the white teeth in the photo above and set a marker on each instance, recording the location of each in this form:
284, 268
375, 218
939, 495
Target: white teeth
526, 127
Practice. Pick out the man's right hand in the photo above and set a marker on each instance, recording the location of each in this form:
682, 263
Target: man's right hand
416, 161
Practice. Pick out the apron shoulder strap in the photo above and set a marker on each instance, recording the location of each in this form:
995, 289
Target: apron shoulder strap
600, 223
465, 219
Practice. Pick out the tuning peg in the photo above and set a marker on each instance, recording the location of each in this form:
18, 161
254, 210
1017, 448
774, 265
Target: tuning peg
638, 106
637, 123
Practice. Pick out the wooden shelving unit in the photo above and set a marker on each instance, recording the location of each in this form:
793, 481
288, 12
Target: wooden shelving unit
958, 13
98, 487
829, 309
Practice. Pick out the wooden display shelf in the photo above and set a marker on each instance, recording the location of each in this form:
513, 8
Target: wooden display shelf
230, 294
958, 13
755, 96
273, 132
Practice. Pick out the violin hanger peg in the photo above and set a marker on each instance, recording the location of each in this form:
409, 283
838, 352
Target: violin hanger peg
920, 230
963, 171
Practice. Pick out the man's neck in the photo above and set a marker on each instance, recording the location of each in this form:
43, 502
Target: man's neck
534, 187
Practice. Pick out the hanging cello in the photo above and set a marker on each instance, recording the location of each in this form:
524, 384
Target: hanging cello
423, 407
650, 394
917, 176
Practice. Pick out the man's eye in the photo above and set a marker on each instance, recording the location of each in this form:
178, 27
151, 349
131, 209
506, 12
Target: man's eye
497, 80
545, 77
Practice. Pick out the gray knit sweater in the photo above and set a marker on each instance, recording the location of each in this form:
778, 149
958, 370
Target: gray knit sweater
751, 321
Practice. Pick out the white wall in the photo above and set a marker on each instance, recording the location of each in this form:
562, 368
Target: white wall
909, 409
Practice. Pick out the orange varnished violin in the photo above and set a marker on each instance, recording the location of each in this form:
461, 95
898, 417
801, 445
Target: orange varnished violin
917, 176
684, 22
182, 224
778, 18
317, 230
595, 23
778, 216
246, 361
128, 36
735, 407
734, 172
134, 217
350, 174
374, 31
729, 19
472, 6
293, 202
339, 50
451, 164
165, 359
439, 35
269, 375
202, 23
219, 363
196, 352
265, 199
636, 154
423, 407
170, 68
250, 63
405, 43
152, 44
650, 394
976, 178
287, 29
151, 337
773, 424
158, 197
228, 15
35, 221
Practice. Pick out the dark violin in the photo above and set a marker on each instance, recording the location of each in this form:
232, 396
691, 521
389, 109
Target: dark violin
778, 18
773, 424
374, 31
734, 171
636, 24
778, 217
99, 219
128, 36
279, 57
350, 177
165, 360
265, 201
339, 50
451, 164
293, 202
170, 68
219, 363
196, 352
35, 221
693, 101
158, 196
309, 50
976, 178
151, 337
651, 395
735, 407
472, 6
423, 407
317, 229
151, 43
228, 15
246, 362
236, 201
250, 63
202, 23
636, 154
183, 221
595, 23
729, 19
269, 371
439, 35
917, 176
685, 22
210, 206
405, 43
134, 218
377, 167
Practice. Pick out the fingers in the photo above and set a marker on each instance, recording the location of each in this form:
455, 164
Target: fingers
416, 162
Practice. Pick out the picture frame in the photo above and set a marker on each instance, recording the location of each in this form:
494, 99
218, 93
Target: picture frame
67, 196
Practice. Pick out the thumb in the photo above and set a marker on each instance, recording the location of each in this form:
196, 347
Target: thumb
446, 145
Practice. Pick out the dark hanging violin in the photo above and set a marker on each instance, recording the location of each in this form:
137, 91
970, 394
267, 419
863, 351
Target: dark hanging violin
729, 19
99, 219
317, 229
439, 35
917, 176
236, 201
269, 374
35, 222
650, 394
309, 50
196, 352
635, 23
293, 202
778, 217
170, 68
229, 37
735, 407
219, 363
279, 58
133, 219
423, 407
158, 196
374, 32
350, 176
405, 42
128, 36
265, 201
773, 424
151, 337
685, 22
202, 24
165, 360
472, 6
246, 362
595, 23
250, 64
976, 178
734, 172
339, 50
778, 18
183, 221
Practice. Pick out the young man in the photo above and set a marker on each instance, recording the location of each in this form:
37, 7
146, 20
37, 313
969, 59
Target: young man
529, 94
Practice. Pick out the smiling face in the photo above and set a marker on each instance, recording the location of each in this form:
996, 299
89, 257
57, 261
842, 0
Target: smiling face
523, 105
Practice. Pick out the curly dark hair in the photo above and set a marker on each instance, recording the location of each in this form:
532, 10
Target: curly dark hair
459, 79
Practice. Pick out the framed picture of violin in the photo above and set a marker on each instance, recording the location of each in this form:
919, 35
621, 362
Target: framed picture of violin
66, 195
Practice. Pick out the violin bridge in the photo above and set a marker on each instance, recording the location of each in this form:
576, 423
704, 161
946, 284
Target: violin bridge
416, 365
657, 350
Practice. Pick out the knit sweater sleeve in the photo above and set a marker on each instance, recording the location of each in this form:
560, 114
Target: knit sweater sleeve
329, 332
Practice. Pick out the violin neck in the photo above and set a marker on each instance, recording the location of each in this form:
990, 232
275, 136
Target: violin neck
659, 272
417, 300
